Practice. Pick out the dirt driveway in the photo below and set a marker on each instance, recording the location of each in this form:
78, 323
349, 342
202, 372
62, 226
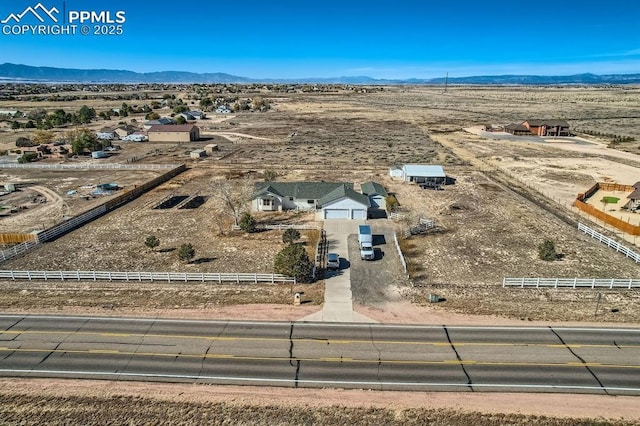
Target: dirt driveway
374, 283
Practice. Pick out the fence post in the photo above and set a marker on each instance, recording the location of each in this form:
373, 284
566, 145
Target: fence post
556, 285
61, 276
45, 275
238, 278
537, 283
611, 286
255, 278
504, 282
13, 277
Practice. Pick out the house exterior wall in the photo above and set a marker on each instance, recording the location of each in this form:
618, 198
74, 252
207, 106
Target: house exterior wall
346, 204
267, 203
378, 201
174, 136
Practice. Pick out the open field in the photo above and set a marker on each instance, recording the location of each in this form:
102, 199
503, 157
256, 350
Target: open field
486, 229
509, 196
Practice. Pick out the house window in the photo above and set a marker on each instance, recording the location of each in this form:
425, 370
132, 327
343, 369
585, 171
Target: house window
311, 201
290, 198
267, 202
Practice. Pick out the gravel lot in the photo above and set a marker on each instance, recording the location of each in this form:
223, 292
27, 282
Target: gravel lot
379, 281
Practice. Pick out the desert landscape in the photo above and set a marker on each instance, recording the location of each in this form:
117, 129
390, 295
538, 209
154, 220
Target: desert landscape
509, 196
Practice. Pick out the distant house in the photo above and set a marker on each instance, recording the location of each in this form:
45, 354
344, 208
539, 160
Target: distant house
634, 198
123, 131
548, 127
517, 129
377, 194
331, 200
223, 109
136, 137
159, 122
421, 174
198, 115
174, 133
107, 134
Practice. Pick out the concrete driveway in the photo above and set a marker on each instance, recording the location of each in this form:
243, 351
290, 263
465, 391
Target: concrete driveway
338, 304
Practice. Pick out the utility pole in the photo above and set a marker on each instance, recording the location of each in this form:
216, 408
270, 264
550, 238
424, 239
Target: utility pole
446, 82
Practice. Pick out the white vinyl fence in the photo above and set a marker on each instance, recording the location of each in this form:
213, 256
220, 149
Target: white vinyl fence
402, 260
571, 283
145, 276
609, 242
87, 166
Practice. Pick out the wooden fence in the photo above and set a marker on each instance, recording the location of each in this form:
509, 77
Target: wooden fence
16, 238
620, 224
145, 276
610, 283
280, 227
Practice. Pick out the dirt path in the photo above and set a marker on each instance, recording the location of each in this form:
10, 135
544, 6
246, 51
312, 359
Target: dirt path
234, 136
42, 216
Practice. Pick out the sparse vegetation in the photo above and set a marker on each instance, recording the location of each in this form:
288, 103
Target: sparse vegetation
547, 251
152, 242
290, 236
186, 252
247, 223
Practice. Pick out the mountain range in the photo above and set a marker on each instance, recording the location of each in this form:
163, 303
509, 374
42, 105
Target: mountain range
26, 73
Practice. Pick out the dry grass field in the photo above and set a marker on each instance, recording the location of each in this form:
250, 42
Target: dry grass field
509, 196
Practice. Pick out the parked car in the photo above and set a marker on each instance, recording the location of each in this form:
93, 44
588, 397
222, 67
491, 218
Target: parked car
333, 261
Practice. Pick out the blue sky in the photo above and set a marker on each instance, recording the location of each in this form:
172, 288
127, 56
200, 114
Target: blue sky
330, 38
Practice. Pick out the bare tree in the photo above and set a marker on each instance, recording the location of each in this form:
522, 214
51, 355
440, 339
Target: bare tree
233, 196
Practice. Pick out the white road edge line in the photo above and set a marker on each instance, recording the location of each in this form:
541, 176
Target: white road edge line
322, 382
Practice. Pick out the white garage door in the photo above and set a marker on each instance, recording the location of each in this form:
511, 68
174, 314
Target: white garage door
358, 214
336, 214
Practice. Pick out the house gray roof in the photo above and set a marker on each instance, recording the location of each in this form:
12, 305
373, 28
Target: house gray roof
635, 195
373, 188
343, 191
548, 123
299, 190
159, 121
636, 185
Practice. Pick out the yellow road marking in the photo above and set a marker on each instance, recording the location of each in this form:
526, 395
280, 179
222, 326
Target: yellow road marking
325, 359
317, 341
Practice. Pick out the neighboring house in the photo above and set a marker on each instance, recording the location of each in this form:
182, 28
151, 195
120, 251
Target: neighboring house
422, 174
198, 115
395, 172
159, 122
107, 134
124, 131
634, 198
187, 116
223, 109
517, 129
376, 193
331, 200
136, 137
174, 133
548, 127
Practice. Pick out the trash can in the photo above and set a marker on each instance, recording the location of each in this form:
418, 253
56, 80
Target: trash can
296, 299
434, 298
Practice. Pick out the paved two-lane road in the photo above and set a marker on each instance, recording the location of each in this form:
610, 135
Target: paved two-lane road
602, 361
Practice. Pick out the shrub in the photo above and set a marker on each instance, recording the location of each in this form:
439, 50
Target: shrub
290, 236
247, 223
186, 252
547, 251
152, 242
23, 142
293, 261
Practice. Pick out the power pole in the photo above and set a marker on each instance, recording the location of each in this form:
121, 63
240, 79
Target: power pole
446, 82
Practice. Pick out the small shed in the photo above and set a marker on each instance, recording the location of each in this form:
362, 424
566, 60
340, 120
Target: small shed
98, 154
198, 153
210, 148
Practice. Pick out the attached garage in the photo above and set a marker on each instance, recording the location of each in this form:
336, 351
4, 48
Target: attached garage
359, 214
336, 213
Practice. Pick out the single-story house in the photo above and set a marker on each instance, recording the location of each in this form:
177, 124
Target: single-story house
331, 200
107, 134
197, 153
136, 137
222, 109
422, 174
517, 129
547, 127
164, 121
376, 193
198, 115
174, 133
124, 131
